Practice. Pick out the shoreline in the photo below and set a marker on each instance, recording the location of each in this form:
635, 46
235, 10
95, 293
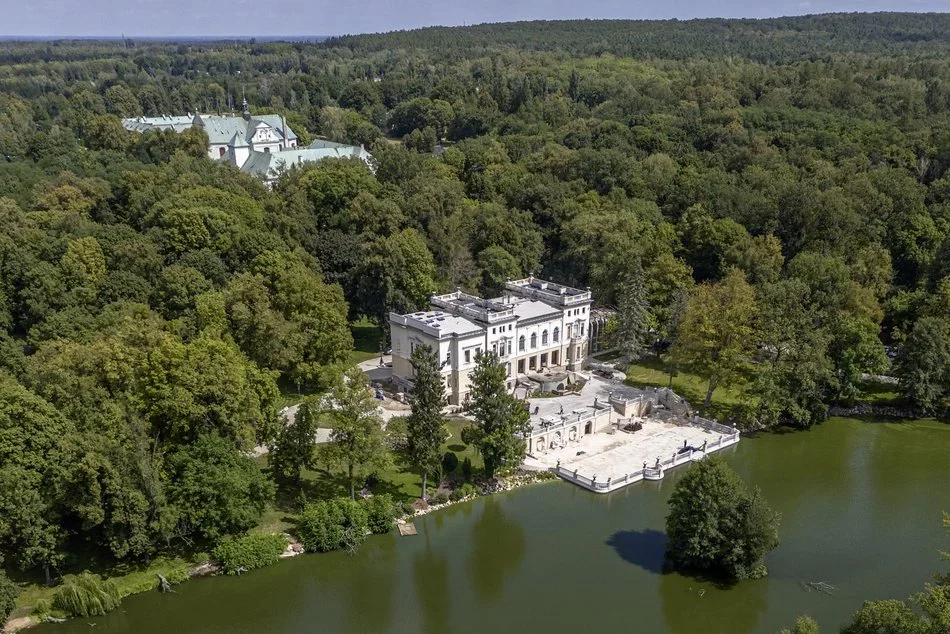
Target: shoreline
519, 479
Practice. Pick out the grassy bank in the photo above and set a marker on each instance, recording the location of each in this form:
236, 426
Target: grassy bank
651, 372
129, 579
398, 480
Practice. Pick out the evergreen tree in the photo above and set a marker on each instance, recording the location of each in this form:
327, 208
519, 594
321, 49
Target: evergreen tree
633, 323
426, 424
501, 420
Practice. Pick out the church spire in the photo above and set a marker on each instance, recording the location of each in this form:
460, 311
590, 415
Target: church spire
245, 112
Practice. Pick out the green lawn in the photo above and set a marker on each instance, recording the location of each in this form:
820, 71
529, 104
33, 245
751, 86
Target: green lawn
877, 393
652, 372
366, 338
399, 481
129, 578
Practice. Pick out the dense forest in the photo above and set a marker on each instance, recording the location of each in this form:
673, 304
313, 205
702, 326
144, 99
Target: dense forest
764, 200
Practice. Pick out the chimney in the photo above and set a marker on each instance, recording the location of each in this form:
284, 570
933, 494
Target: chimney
283, 123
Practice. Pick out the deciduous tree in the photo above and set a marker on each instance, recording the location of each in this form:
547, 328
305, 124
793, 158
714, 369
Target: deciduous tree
715, 335
357, 441
716, 524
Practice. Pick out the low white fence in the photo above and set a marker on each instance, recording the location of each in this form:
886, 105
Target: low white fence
728, 436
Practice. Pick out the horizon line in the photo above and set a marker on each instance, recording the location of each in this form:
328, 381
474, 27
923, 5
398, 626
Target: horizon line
297, 37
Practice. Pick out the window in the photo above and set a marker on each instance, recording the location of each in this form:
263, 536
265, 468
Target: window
532, 363
221, 151
468, 356
557, 334
509, 346
509, 369
544, 359
521, 343
568, 331
509, 327
554, 358
521, 366
544, 338
448, 358
534, 340
493, 331
494, 348
267, 150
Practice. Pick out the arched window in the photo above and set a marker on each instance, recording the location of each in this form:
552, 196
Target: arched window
221, 151
534, 340
557, 334
521, 344
267, 150
544, 338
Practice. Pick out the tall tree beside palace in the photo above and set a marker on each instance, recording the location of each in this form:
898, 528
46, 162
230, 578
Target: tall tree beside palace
426, 425
501, 420
357, 441
715, 335
633, 323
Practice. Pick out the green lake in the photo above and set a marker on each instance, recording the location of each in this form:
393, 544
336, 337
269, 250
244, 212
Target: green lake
861, 506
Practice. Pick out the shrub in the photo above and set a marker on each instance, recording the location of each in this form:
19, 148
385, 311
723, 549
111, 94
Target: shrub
449, 462
250, 551
463, 492
440, 498
86, 595
332, 524
8, 594
407, 509
380, 513
467, 469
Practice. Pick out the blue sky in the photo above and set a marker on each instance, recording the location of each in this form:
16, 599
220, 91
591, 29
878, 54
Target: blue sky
324, 17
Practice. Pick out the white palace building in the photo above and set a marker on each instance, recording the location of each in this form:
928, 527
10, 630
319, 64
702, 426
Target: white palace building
261, 145
539, 330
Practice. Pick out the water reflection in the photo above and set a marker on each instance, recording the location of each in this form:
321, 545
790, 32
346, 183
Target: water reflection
370, 592
694, 605
498, 547
430, 569
644, 548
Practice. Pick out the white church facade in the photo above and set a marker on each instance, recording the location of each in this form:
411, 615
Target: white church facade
261, 145
536, 328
